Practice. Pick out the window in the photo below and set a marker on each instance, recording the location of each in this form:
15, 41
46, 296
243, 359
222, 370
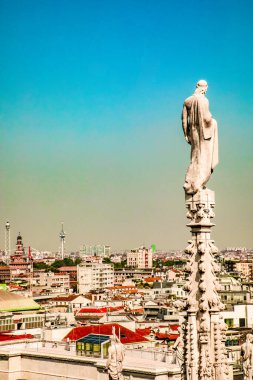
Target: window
229, 322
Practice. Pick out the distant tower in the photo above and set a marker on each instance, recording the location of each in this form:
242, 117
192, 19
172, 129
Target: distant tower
7, 241
62, 238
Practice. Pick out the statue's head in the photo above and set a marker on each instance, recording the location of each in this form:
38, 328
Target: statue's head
249, 338
202, 86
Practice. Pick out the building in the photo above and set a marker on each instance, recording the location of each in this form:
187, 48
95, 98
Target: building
94, 276
53, 282
140, 258
239, 316
39, 360
233, 292
96, 250
92, 259
122, 275
19, 261
71, 302
71, 271
245, 269
5, 273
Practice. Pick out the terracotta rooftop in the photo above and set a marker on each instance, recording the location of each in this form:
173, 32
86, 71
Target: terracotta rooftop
126, 336
99, 310
6, 337
66, 298
152, 279
144, 332
130, 291
166, 336
174, 327
121, 287
138, 311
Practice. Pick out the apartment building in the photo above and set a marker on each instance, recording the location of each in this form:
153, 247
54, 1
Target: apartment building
245, 269
94, 276
56, 283
140, 258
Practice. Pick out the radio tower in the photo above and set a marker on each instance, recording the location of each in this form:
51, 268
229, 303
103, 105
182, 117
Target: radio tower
62, 238
7, 241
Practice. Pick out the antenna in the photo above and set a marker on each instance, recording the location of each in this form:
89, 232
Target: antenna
62, 238
7, 241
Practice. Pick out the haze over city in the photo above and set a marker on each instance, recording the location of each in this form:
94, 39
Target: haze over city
91, 95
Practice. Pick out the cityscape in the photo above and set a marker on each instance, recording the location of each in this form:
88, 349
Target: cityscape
126, 161
58, 301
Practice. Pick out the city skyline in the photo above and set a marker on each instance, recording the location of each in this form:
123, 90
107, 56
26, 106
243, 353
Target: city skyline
91, 97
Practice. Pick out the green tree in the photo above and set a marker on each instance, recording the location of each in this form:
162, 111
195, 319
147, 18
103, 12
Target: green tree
40, 266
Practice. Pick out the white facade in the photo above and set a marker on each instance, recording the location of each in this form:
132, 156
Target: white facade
30, 360
240, 316
140, 258
58, 283
245, 268
93, 276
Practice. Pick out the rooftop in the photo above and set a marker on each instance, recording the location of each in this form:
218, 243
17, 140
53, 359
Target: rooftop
14, 302
126, 336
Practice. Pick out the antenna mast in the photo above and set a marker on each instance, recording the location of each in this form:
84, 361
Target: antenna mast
7, 242
62, 238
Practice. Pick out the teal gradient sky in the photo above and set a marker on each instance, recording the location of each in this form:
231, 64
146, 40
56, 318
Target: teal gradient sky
91, 95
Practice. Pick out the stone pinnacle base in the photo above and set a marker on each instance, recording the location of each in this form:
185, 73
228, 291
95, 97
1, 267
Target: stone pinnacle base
204, 332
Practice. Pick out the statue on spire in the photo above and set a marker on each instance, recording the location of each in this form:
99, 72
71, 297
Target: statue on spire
200, 131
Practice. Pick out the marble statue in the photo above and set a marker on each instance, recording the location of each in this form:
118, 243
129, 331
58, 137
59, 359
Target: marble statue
115, 358
178, 347
200, 131
247, 357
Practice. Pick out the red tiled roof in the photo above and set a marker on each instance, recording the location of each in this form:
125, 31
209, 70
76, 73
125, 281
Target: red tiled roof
87, 317
67, 298
118, 298
121, 287
6, 337
152, 279
175, 270
141, 310
68, 269
174, 327
166, 336
126, 336
144, 332
13, 286
99, 310
130, 291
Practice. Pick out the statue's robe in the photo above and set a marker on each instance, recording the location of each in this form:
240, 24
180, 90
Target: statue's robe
115, 361
247, 359
201, 132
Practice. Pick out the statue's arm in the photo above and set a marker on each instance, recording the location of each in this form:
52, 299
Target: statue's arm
207, 113
185, 122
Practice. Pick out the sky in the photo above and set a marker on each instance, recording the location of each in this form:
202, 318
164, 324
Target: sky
91, 93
